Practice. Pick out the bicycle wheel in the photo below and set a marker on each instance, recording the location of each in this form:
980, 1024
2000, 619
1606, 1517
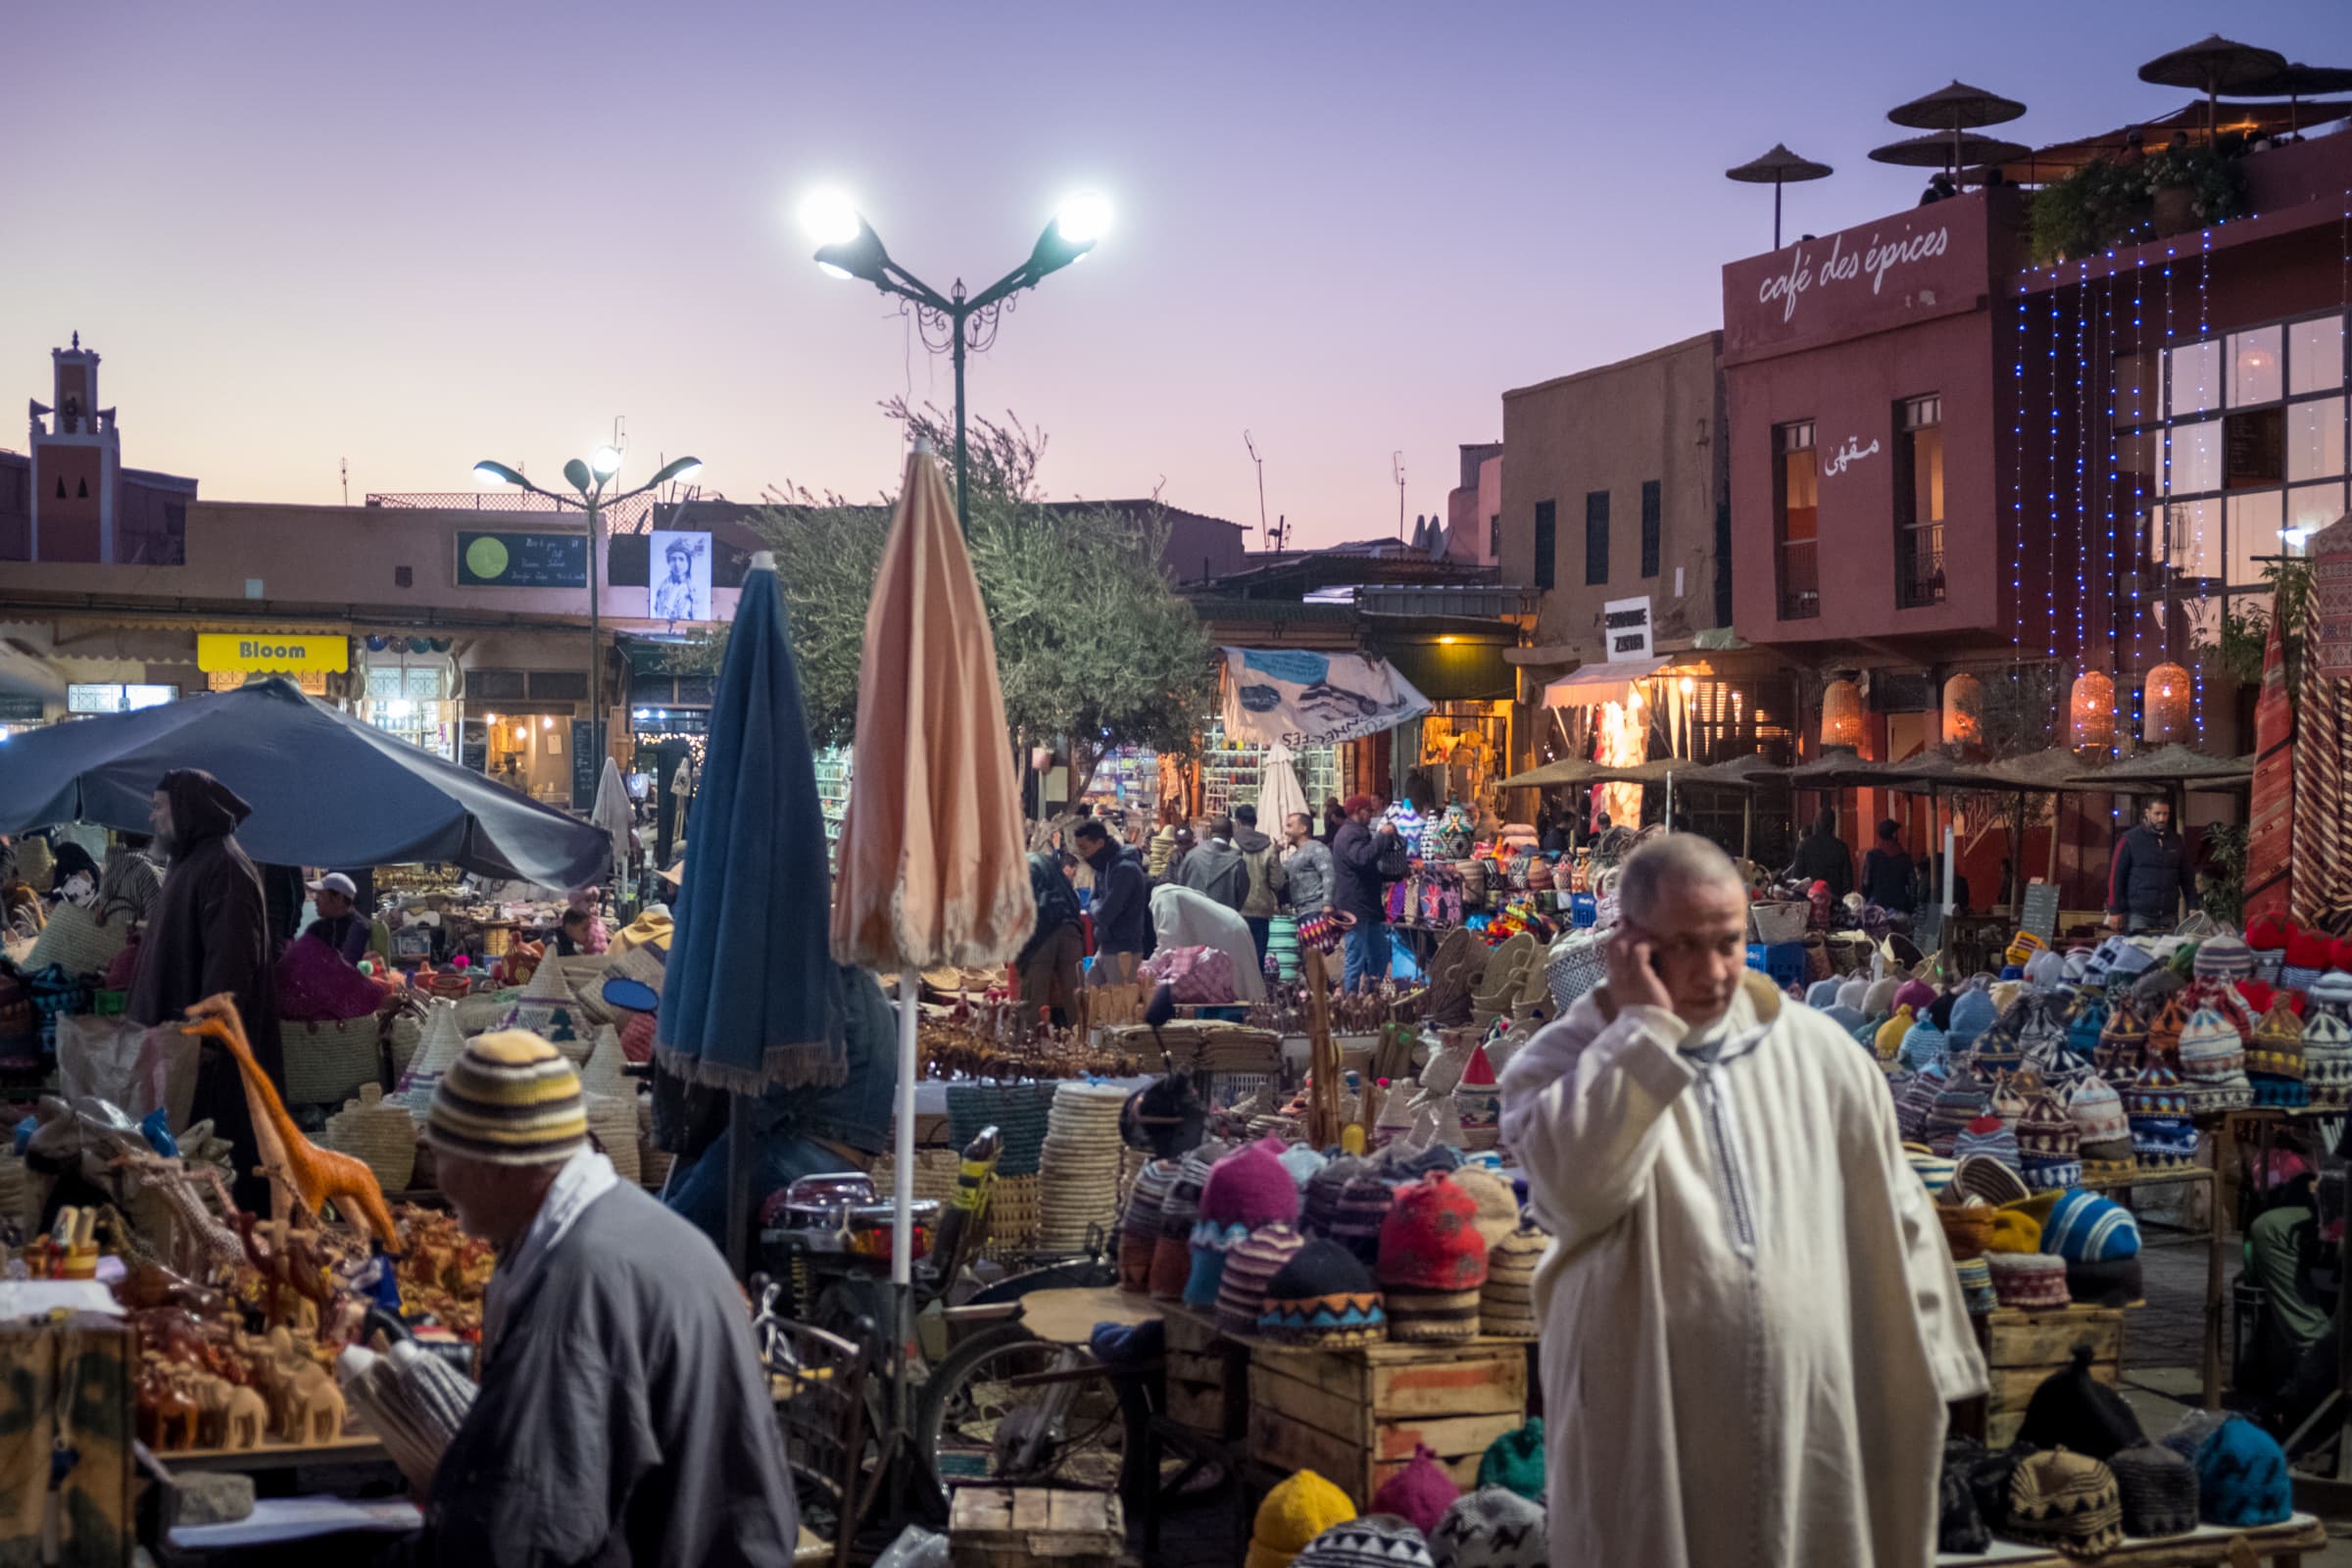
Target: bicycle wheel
975, 1424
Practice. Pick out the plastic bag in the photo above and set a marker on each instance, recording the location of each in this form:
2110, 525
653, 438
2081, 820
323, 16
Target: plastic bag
138, 1069
915, 1547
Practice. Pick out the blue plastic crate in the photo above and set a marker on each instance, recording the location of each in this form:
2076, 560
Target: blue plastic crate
1785, 961
1758, 956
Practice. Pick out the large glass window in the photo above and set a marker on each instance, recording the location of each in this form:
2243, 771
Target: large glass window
1919, 503
2248, 455
413, 702
1796, 519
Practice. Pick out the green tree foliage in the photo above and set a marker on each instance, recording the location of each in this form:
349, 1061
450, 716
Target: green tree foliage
1093, 643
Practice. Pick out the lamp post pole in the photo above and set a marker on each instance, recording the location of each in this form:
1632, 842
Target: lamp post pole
595, 627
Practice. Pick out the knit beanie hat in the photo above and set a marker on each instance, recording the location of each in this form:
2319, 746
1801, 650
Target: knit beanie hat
2112, 1282
1432, 1261
1923, 1043
1419, 1493
2001, 1047
2086, 1228
1179, 1213
1878, 1000
1972, 1012
1303, 1161
1478, 1101
1322, 1202
2241, 1478
2332, 992
1990, 1137
2045, 969
1377, 1540
2073, 1409
2328, 1061
1294, 1513
1890, 1037
2277, 1050
1322, 1296
1989, 1180
1514, 1461
2067, 1501
1364, 1205
1250, 1187
2014, 1229
2082, 1031
1959, 1526
1962, 1101
2223, 996
2223, 957
2123, 1042
2097, 1112
510, 1098
1915, 1101
1934, 1170
1917, 995
2159, 1491
1821, 995
1507, 1306
1491, 1527
1975, 1275
2050, 1148
1139, 1231
2028, 1278
2189, 1432
2164, 1030
1497, 1207
2209, 1049
1249, 1268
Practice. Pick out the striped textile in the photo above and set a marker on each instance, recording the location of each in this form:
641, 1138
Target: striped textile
2271, 828
510, 1098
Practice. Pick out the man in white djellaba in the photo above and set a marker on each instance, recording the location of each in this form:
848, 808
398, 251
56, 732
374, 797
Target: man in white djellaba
1752, 1325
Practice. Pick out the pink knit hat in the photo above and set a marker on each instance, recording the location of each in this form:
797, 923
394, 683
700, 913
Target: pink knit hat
1419, 1493
1252, 1188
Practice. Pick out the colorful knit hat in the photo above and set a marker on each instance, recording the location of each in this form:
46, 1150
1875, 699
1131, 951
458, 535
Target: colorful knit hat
1303, 1162
2001, 1047
1322, 1296
1364, 1205
2223, 998
1139, 1231
1419, 1493
1507, 1306
1493, 1527
2276, 1047
1322, 1202
1923, 1043
1497, 1206
2082, 1031
1294, 1513
1478, 1102
2328, 1061
2158, 1488
2050, 1148
1888, 1039
1975, 1275
1878, 1000
2123, 1042
2331, 993
2014, 1229
1250, 1188
1376, 1540
1917, 995
1990, 1137
2241, 1478
1179, 1213
1962, 1101
2164, 1030
2067, 1501
2162, 1135
2102, 1132
2086, 1228
1935, 1171
1972, 1012
1432, 1261
2045, 969
510, 1098
1915, 1101
1514, 1461
1249, 1269
1992, 1181
2223, 957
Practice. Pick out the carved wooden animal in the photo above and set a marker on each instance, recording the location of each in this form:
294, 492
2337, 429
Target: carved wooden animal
212, 1241
247, 1420
319, 1176
323, 1408
152, 1285
167, 1417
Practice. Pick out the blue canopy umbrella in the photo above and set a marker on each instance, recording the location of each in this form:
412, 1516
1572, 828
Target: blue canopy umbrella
326, 789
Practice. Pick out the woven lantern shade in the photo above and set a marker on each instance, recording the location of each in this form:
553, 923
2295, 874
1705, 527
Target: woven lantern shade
2090, 714
1964, 711
2164, 699
1841, 714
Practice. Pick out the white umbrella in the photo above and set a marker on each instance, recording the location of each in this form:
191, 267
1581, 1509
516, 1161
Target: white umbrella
1279, 796
613, 813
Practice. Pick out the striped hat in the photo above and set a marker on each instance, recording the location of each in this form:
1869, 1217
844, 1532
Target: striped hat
2278, 1049
2332, 992
1933, 1168
2086, 1228
2122, 1043
1976, 1284
2209, 1049
2328, 1061
1249, 1269
1506, 1307
510, 1098
2223, 959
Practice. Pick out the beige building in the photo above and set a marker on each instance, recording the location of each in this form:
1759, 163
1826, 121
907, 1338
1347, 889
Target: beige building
1617, 487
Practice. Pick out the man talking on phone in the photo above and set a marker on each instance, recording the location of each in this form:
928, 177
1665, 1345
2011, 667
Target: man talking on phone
1751, 1322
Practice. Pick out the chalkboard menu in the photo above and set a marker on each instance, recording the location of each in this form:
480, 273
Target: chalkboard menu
20, 710
587, 764
474, 746
2041, 909
522, 560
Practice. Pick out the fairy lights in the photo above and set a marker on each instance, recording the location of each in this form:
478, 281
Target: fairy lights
2082, 448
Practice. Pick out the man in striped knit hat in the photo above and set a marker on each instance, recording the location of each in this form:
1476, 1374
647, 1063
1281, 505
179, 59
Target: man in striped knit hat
623, 1416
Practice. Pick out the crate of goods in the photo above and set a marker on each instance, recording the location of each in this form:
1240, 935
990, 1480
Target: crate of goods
1784, 961
1013, 1527
1209, 1387
1355, 1416
68, 1386
2023, 1349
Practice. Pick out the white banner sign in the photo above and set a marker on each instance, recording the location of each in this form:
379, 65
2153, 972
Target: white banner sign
680, 577
1289, 697
1625, 623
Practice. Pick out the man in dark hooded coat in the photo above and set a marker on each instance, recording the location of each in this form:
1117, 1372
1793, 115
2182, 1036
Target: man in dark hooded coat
208, 934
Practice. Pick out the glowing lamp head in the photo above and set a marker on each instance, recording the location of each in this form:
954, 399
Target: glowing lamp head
1083, 218
830, 218
604, 462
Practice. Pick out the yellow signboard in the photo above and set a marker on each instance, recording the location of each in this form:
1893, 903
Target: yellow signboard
272, 653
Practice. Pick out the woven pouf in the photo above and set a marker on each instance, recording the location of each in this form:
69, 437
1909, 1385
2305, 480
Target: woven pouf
327, 1062
613, 1120
1080, 1165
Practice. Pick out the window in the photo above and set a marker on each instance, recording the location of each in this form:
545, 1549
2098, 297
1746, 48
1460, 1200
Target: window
1650, 508
2239, 455
1919, 503
1796, 519
1546, 540
1596, 538
413, 702
1495, 536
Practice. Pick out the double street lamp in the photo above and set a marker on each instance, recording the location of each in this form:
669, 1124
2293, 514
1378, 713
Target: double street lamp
951, 323
593, 479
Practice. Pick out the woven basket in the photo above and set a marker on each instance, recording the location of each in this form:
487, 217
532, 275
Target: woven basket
403, 1037
1573, 969
75, 941
379, 1134
613, 1120
1779, 922
652, 1166
327, 1062
483, 1011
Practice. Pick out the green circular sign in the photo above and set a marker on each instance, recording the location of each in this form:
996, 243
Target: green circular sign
486, 557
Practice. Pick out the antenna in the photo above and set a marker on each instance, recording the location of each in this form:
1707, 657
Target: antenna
1397, 463
1282, 532
346, 467
1262, 483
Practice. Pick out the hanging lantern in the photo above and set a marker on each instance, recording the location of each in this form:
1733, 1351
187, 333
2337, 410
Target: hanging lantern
1841, 714
2090, 722
2164, 698
1964, 711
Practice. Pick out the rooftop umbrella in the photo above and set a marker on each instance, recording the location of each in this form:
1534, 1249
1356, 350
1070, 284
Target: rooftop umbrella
1953, 152
1955, 109
2213, 67
1753, 771
1576, 770
325, 788
1777, 167
932, 868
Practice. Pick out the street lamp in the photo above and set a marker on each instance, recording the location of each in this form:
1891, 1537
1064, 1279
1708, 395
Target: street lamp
953, 322
591, 479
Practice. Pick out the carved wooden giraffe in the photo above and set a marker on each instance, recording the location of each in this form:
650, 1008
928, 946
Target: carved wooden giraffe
317, 1175
171, 1178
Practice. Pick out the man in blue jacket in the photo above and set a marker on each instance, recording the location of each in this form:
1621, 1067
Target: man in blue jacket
1123, 907
1359, 888
2152, 874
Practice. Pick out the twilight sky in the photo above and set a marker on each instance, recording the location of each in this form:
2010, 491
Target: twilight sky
415, 235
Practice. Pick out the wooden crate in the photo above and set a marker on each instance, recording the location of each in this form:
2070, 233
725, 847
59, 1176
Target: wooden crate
1354, 1416
1209, 1384
2023, 1349
1012, 1527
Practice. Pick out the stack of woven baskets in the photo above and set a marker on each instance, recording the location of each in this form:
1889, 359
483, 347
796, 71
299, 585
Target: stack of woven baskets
611, 1100
378, 1133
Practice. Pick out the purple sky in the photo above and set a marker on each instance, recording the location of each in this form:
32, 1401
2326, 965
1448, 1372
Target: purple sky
419, 234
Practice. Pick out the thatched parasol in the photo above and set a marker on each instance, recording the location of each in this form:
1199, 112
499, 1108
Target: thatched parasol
2214, 65
1777, 167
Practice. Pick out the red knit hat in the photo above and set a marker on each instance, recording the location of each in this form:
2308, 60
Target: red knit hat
1430, 1239
2306, 950
1252, 1188
2270, 933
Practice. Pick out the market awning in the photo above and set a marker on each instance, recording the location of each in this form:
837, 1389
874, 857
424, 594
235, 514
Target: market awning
1602, 683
